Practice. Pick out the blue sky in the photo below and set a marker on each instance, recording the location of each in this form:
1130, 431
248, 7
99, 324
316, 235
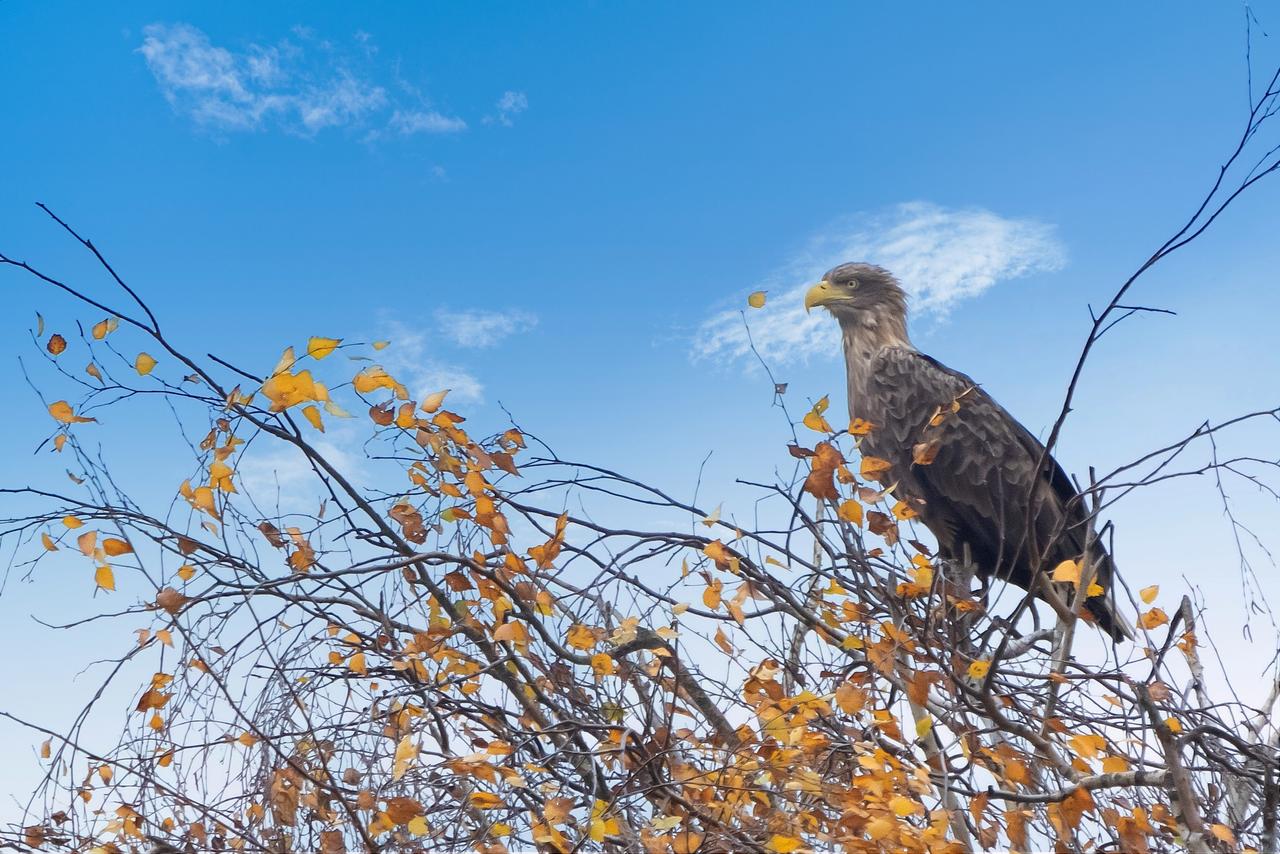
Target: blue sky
553, 207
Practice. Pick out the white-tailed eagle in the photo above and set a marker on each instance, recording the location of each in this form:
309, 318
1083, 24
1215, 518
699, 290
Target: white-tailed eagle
977, 478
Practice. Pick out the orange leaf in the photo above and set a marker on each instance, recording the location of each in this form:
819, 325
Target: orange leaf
873, 467
64, 414
115, 548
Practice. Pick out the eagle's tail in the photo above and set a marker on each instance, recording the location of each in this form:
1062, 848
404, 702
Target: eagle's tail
1101, 610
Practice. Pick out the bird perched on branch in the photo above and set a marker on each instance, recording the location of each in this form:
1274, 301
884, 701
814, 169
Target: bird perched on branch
981, 483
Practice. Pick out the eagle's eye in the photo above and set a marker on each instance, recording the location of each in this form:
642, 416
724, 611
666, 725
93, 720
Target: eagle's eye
851, 284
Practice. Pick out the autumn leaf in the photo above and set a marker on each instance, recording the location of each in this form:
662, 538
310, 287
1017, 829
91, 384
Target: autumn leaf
56, 344
485, 800
860, 427
48, 542
144, 364
64, 414
104, 577
318, 348
873, 467
1149, 594
406, 754
979, 669
1153, 618
115, 547
1221, 831
756, 299
850, 511
785, 844
312, 415
924, 453
1068, 572
170, 600
103, 328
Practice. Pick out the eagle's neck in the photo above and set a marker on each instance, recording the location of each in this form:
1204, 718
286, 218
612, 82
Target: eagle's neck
865, 335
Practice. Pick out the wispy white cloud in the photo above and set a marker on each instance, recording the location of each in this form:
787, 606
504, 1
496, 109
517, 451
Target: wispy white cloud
510, 105
301, 85
941, 255
410, 359
258, 86
482, 328
409, 122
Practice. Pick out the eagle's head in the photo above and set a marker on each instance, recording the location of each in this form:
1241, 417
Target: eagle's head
859, 293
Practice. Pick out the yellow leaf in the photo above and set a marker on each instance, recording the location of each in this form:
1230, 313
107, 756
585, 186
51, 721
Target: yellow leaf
186, 573
1153, 618
1174, 725
1114, 765
924, 726
318, 348
785, 844
47, 542
64, 414
903, 511
1224, 833
380, 345
756, 300
814, 421
485, 800
356, 664
979, 669
1094, 589
104, 577
602, 664
115, 548
46, 748
903, 806
144, 364
1149, 594
418, 826
202, 499
851, 512
873, 467
312, 414
71, 522
406, 753
248, 739
1067, 571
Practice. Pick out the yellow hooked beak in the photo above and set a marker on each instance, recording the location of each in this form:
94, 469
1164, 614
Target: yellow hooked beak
820, 294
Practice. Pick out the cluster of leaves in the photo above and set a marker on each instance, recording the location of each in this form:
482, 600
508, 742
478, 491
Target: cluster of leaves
466, 642
455, 660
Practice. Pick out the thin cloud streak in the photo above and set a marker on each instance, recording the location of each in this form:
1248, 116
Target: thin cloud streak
300, 86
479, 329
942, 256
